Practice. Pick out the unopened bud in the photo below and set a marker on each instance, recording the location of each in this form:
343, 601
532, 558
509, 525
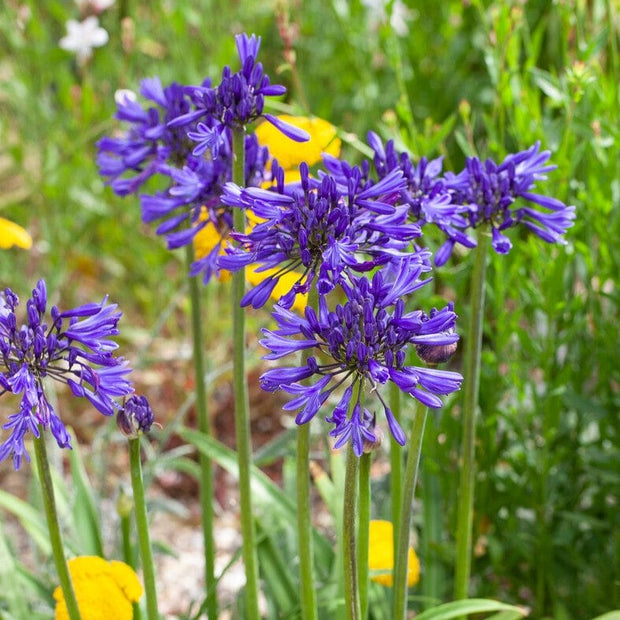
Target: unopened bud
435, 353
136, 417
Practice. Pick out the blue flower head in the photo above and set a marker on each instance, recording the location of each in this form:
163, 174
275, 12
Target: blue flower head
73, 347
361, 345
426, 192
238, 100
490, 191
323, 229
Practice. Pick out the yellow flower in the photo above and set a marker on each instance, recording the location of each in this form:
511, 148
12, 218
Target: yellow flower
381, 555
12, 234
103, 589
289, 153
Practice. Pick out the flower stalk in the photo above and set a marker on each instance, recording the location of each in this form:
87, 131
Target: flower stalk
349, 528
242, 414
304, 514
364, 532
411, 475
206, 468
396, 464
51, 513
142, 526
473, 349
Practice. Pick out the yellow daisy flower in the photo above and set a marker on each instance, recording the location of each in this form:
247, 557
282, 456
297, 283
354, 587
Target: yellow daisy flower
381, 555
289, 153
103, 589
12, 234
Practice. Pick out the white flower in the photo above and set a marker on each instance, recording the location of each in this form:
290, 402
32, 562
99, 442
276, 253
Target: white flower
82, 37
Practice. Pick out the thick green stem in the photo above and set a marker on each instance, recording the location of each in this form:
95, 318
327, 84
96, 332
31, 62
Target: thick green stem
49, 503
401, 567
304, 509
396, 464
364, 533
471, 372
242, 405
142, 526
206, 467
349, 527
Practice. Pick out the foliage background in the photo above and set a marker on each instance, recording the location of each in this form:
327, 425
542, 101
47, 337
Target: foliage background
469, 77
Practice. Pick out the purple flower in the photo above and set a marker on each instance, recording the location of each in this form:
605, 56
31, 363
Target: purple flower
426, 192
236, 101
149, 145
324, 229
75, 348
361, 344
489, 191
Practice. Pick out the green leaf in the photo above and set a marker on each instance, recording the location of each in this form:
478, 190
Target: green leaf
10, 587
264, 491
456, 609
32, 520
610, 615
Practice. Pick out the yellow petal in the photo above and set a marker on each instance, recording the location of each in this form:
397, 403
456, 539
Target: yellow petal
381, 555
13, 234
284, 285
290, 153
103, 589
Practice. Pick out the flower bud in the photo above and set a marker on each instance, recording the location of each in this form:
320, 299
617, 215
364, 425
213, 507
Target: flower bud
435, 353
136, 417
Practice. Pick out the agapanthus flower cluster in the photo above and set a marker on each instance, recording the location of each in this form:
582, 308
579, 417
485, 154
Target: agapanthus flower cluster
325, 229
161, 142
490, 190
236, 101
360, 346
426, 192
73, 347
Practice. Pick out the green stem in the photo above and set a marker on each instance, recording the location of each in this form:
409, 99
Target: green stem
49, 503
142, 526
433, 577
242, 406
401, 567
124, 506
349, 527
396, 464
471, 372
364, 532
206, 467
304, 509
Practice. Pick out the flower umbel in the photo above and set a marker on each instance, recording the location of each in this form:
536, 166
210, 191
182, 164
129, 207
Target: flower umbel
236, 101
103, 589
75, 348
489, 191
324, 229
363, 344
